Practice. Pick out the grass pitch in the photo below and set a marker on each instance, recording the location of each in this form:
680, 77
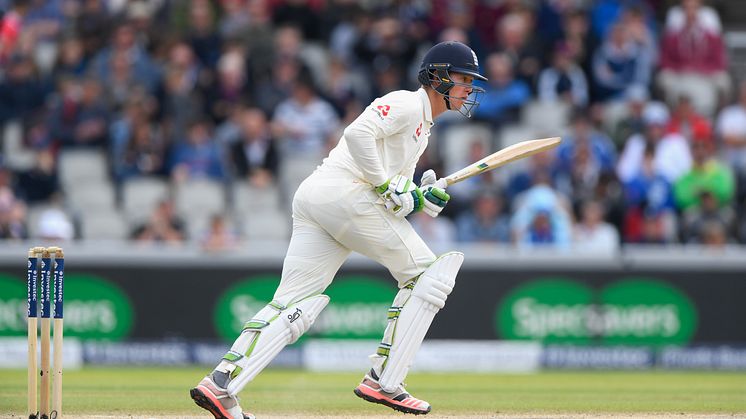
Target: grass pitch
164, 392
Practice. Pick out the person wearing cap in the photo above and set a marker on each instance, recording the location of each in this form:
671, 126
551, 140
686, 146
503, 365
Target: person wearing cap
672, 157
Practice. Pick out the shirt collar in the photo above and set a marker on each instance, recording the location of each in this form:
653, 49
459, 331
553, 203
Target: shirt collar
426, 108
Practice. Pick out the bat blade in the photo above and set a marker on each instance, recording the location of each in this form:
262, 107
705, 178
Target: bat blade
508, 154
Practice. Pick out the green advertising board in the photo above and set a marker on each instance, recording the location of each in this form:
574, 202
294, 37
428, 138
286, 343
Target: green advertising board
12, 306
630, 311
357, 308
95, 308
240, 302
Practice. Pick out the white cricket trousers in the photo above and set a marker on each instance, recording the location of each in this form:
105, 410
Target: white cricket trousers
334, 214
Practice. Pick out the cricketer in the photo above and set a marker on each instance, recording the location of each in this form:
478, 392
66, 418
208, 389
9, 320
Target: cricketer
357, 200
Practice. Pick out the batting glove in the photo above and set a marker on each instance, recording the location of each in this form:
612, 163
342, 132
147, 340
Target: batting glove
401, 196
435, 194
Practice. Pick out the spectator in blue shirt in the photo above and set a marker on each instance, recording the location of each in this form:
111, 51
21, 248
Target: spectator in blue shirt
504, 94
22, 91
564, 80
583, 132
124, 41
80, 117
618, 63
485, 223
541, 217
198, 156
606, 13
649, 216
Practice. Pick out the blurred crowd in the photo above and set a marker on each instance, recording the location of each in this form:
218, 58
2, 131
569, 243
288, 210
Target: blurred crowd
255, 92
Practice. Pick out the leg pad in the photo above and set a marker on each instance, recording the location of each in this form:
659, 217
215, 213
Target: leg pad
264, 336
410, 317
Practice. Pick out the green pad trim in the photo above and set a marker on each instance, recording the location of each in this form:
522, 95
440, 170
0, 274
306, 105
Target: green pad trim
253, 344
382, 188
254, 324
277, 305
419, 199
235, 372
440, 193
410, 284
232, 356
394, 313
383, 350
437, 196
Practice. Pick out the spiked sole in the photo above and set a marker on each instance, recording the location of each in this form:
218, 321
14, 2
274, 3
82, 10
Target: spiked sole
385, 402
202, 400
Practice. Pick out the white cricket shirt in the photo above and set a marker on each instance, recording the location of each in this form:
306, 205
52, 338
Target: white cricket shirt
387, 139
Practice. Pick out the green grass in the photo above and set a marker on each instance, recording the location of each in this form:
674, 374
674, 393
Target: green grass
164, 391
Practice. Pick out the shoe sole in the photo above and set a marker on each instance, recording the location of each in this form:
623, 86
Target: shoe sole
387, 403
203, 400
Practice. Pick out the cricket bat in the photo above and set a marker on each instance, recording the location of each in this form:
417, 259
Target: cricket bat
508, 154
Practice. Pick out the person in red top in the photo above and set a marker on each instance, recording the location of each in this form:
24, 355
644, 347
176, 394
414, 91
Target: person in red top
10, 28
684, 118
693, 60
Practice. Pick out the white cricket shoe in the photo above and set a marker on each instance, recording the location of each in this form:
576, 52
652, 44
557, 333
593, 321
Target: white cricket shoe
370, 390
217, 401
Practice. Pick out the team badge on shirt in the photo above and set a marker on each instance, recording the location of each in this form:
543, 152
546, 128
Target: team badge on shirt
417, 133
382, 110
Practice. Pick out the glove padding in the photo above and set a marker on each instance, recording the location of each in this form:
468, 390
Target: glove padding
401, 196
435, 194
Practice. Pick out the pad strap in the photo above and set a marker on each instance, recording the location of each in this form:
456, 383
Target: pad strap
264, 336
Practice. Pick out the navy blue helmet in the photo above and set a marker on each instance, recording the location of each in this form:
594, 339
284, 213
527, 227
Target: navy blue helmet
446, 58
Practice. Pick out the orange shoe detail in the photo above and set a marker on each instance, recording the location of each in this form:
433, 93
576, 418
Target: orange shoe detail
400, 400
217, 401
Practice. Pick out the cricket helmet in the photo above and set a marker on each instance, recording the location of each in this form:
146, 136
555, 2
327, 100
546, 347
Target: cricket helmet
446, 58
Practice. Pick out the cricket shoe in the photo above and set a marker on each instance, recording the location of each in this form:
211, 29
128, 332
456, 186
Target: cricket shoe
370, 390
217, 401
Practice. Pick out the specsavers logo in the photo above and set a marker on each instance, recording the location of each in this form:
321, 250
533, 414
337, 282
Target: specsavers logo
632, 311
94, 308
357, 310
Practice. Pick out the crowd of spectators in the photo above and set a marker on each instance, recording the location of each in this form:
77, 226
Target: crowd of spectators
259, 91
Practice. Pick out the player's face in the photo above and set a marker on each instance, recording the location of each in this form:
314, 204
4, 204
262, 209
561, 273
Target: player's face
461, 90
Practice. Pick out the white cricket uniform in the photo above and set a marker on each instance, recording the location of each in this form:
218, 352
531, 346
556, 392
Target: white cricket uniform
336, 210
